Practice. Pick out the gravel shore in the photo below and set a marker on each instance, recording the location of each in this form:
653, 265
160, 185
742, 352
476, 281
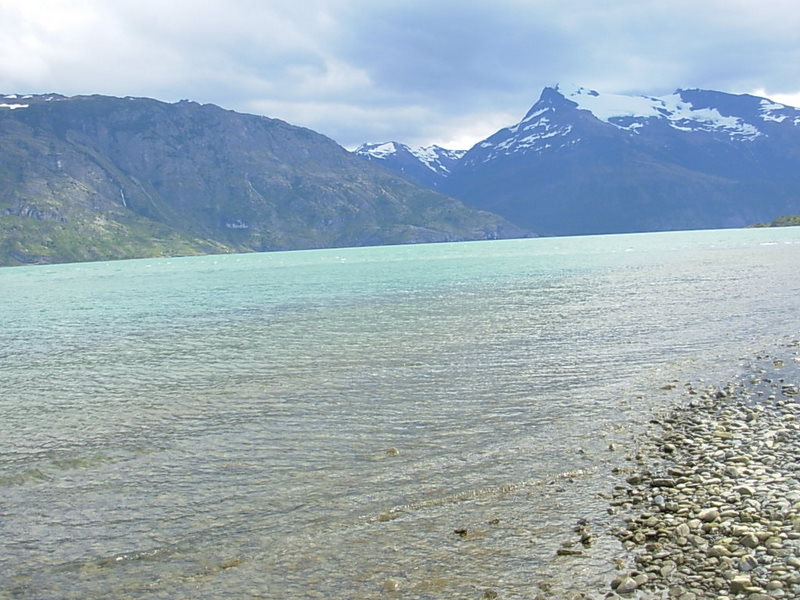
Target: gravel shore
708, 505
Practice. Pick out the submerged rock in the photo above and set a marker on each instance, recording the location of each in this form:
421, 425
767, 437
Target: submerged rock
391, 585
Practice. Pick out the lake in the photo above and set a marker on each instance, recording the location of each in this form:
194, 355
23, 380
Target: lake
340, 423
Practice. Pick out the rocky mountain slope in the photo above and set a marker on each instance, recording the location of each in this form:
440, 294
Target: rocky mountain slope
582, 162
96, 177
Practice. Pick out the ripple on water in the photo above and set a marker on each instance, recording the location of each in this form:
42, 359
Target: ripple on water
174, 442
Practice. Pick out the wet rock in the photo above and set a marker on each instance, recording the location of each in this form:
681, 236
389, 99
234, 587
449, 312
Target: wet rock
626, 585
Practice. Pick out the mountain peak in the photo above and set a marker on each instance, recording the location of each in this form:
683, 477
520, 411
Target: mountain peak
425, 165
583, 161
739, 117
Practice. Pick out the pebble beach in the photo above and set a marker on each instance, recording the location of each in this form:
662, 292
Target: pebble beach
708, 500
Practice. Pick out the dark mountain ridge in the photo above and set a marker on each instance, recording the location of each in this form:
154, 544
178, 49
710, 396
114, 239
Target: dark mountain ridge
98, 177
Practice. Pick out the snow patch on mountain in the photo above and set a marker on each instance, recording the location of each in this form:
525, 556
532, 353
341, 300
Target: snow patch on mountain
437, 159
778, 113
628, 112
543, 129
379, 151
535, 133
770, 111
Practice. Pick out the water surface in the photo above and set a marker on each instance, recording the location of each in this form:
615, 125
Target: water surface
310, 424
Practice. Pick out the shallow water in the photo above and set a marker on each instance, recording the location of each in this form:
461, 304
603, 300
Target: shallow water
311, 424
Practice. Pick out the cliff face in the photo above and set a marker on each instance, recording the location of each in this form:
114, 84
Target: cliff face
94, 177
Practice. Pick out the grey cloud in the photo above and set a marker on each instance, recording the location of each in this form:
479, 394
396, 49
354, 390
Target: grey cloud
415, 71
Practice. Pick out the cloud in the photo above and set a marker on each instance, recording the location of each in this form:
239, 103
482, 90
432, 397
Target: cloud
415, 71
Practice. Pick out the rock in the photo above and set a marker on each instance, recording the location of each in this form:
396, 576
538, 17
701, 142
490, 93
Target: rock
626, 586
391, 585
634, 479
747, 563
723, 518
708, 515
388, 516
719, 550
749, 540
667, 568
740, 583
775, 584
733, 472
664, 482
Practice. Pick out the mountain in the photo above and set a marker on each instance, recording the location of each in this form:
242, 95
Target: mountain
582, 162
98, 177
424, 165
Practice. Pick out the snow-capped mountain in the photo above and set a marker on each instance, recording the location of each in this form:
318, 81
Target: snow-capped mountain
584, 162
426, 165
551, 122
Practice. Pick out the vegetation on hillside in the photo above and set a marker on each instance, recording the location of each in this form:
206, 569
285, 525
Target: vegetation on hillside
785, 221
100, 178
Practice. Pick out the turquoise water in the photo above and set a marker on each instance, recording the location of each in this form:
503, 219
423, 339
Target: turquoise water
311, 424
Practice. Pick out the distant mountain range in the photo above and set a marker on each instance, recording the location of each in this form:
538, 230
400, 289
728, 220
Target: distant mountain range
582, 162
97, 177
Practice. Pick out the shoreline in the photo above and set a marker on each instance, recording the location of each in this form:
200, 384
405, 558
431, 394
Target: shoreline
708, 504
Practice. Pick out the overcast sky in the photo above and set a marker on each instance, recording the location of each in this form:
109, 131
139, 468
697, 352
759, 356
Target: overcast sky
419, 72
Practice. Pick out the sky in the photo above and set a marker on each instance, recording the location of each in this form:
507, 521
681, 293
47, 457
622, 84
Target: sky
420, 72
